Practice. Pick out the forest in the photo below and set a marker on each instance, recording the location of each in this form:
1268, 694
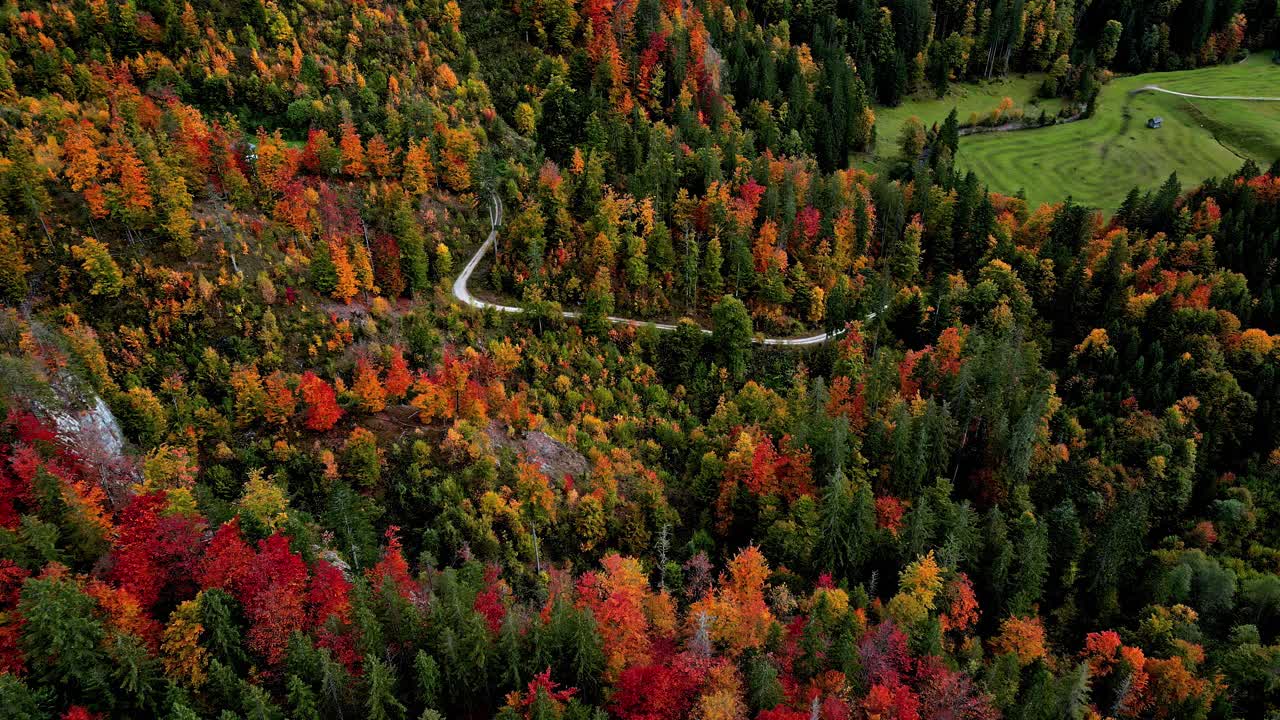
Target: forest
258, 461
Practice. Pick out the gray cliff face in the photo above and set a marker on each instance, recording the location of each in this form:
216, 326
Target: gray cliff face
553, 458
85, 424
94, 427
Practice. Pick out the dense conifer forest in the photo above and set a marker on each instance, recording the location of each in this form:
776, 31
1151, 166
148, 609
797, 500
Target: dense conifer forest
258, 460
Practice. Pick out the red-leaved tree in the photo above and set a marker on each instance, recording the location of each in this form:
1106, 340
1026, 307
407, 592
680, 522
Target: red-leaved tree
322, 403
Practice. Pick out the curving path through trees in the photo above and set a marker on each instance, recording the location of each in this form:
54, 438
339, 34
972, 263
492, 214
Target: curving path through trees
461, 292
1247, 98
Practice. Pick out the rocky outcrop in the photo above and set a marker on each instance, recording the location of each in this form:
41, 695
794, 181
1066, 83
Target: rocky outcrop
553, 458
85, 424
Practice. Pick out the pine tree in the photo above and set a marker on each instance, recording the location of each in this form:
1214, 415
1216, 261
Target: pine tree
764, 691
1032, 554
324, 275
428, 679
848, 522
381, 702
63, 641
712, 261
6, 78
598, 305
510, 654
739, 263
414, 261
302, 700
731, 335
949, 136
223, 635
904, 258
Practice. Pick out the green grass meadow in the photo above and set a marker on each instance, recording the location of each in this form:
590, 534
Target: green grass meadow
966, 98
1097, 160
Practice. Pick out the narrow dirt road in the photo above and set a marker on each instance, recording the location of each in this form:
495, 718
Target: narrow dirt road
461, 292
1247, 98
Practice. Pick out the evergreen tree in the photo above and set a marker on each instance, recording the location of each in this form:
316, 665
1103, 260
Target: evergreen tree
415, 263
731, 334
302, 700
712, 261
428, 680
64, 642
381, 702
764, 691
324, 274
598, 305
848, 523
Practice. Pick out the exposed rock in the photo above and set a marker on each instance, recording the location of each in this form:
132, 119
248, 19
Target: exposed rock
332, 557
86, 426
93, 427
551, 456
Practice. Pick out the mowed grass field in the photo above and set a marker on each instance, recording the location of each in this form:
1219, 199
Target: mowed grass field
1097, 161
967, 98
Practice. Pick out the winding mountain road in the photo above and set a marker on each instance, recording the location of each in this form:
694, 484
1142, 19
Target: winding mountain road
1248, 98
464, 295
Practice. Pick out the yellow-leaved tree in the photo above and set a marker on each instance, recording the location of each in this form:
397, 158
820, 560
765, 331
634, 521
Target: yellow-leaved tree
736, 612
918, 588
185, 660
